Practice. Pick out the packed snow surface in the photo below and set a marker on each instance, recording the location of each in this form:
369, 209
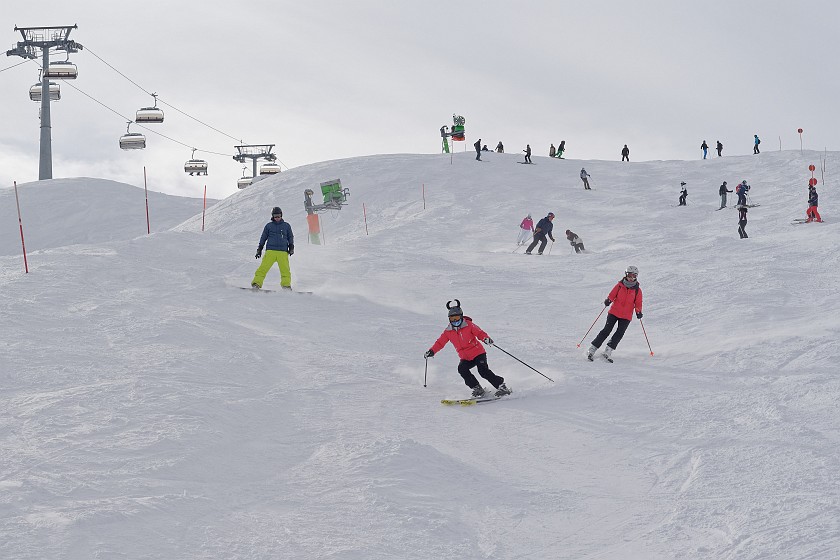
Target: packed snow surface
150, 409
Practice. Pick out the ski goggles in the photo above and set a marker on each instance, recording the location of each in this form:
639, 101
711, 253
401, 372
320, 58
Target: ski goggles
455, 318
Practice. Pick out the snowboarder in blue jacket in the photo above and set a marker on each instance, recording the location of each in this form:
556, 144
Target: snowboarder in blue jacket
279, 242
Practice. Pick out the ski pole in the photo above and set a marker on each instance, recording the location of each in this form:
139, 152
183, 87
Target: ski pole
550, 248
425, 372
646, 338
592, 325
526, 242
521, 362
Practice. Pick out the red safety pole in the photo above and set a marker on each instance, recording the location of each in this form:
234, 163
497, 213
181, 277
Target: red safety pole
204, 210
145, 188
364, 211
20, 223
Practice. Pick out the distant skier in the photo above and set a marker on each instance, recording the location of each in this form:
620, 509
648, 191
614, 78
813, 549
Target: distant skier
584, 176
575, 241
543, 230
279, 242
742, 221
625, 153
741, 191
756, 142
683, 194
813, 201
705, 148
526, 229
527, 151
722, 191
561, 148
552, 151
477, 147
625, 297
719, 148
465, 336
500, 149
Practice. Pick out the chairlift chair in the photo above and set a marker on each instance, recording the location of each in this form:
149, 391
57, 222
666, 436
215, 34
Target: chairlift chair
54, 89
195, 166
269, 169
149, 114
132, 140
62, 69
244, 182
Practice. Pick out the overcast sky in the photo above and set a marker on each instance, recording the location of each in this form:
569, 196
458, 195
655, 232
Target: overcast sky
331, 79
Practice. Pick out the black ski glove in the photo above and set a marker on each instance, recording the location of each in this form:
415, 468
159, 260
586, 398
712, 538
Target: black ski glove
259, 254
607, 301
429, 354
291, 250
638, 314
488, 340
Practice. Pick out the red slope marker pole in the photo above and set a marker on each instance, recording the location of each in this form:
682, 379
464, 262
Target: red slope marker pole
20, 223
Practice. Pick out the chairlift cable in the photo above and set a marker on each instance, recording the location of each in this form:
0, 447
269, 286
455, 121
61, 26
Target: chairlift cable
13, 65
161, 100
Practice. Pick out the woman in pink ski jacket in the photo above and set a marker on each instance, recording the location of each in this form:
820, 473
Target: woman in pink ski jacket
526, 229
465, 336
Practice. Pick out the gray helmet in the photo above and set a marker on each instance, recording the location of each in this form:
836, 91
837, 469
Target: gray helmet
454, 309
632, 270
276, 211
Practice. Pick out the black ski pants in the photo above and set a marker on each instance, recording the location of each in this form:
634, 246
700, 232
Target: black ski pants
742, 224
682, 201
538, 238
484, 371
578, 247
605, 332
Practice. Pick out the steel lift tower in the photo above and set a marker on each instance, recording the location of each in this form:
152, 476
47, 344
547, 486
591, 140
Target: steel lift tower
46, 38
254, 152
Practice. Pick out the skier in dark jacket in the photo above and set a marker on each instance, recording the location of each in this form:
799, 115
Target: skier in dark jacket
625, 297
561, 148
543, 230
477, 146
741, 190
719, 148
722, 192
500, 148
279, 242
742, 222
467, 337
575, 241
552, 151
813, 201
683, 194
527, 151
625, 153
705, 148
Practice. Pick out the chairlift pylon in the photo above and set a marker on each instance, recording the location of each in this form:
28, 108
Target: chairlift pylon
132, 140
195, 166
149, 114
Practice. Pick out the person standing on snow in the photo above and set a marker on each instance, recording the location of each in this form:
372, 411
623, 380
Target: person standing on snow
742, 222
625, 153
575, 241
583, 177
705, 148
544, 228
719, 148
756, 142
741, 191
722, 191
813, 200
552, 151
625, 297
500, 148
279, 242
561, 148
527, 151
683, 194
465, 336
526, 229
477, 146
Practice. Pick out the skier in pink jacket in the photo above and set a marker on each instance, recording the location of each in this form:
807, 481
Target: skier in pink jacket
526, 230
465, 336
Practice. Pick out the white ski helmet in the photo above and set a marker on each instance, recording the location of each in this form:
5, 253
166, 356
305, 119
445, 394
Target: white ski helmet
632, 270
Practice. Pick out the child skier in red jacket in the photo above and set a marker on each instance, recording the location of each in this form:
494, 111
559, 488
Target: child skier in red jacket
465, 336
624, 297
